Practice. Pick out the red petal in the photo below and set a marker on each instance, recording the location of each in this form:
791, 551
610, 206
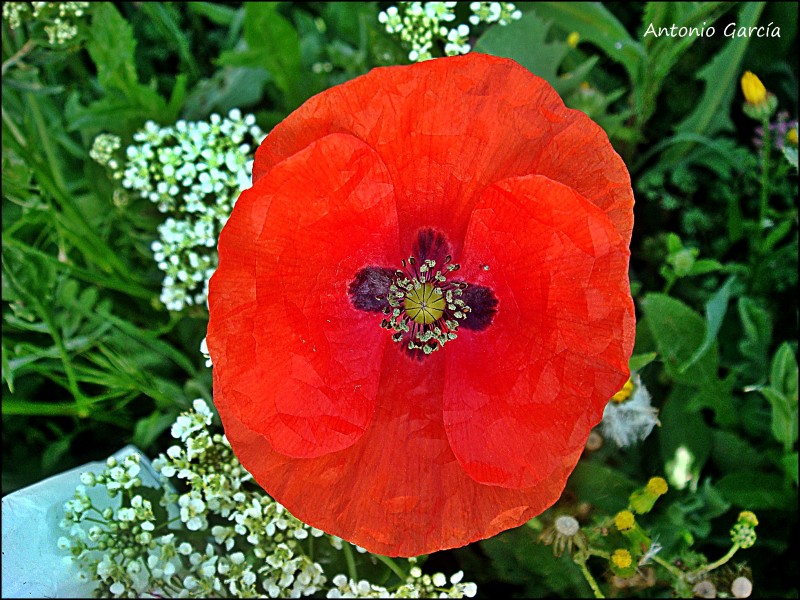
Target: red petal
447, 128
524, 393
292, 358
398, 491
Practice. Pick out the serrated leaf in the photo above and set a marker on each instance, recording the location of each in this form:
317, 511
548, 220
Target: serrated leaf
757, 325
596, 24
712, 112
112, 48
718, 396
525, 41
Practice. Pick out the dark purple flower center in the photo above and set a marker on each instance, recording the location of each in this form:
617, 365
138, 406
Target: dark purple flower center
421, 304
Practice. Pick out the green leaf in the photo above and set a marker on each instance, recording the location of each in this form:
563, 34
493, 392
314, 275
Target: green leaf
525, 41
694, 511
220, 15
733, 453
8, 374
784, 417
274, 45
777, 234
683, 427
230, 87
754, 346
753, 490
149, 428
783, 375
790, 466
712, 111
782, 396
679, 332
161, 18
717, 396
112, 49
604, 487
705, 265
517, 558
716, 308
638, 361
595, 24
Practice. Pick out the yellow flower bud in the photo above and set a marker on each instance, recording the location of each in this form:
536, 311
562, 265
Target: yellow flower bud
573, 39
791, 137
754, 91
657, 486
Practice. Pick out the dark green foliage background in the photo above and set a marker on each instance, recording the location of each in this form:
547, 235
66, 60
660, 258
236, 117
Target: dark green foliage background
92, 361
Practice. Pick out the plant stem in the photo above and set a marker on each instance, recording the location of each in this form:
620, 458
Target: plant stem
587, 575
710, 567
675, 571
26, 48
351, 563
762, 209
393, 566
46, 143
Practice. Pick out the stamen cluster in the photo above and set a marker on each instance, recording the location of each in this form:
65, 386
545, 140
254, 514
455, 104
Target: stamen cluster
424, 307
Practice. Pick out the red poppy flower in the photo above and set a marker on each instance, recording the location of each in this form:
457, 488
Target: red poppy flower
422, 304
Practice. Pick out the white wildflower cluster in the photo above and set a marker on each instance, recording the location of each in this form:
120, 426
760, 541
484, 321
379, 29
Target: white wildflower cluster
193, 172
629, 417
57, 18
220, 536
104, 150
421, 24
417, 585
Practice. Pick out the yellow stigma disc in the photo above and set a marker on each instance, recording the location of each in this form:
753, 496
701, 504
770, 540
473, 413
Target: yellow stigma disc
425, 304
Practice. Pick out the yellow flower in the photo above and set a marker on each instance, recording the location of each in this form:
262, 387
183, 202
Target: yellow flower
791, 137
657, 486
624, 520
573, 39
754, 91
624, 393
621, 558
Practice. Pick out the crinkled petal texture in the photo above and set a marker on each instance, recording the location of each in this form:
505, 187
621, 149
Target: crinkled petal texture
297, 364
527, 390
339, 424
